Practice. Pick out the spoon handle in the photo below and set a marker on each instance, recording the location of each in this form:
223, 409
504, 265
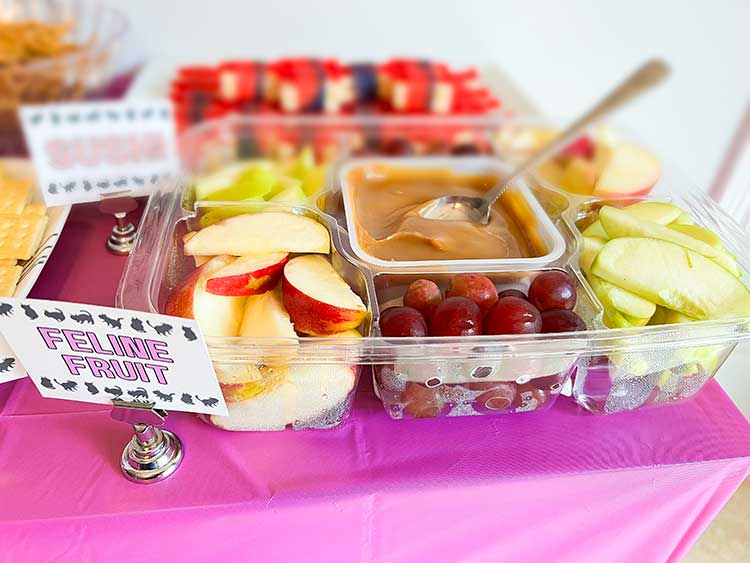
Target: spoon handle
644, 78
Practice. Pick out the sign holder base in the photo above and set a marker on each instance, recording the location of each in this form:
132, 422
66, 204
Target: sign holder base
120, 241
152, 454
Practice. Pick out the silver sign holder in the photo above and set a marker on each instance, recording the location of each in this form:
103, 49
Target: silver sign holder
120, 240
152, 454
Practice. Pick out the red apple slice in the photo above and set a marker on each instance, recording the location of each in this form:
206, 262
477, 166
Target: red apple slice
249, 275
305, 395
630, 170
216, 315
260, 233
319, 301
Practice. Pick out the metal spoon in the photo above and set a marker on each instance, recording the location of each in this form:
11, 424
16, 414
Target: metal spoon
477, 209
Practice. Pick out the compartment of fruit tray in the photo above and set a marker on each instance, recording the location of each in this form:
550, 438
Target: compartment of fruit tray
492, 309
270, 285
668, 269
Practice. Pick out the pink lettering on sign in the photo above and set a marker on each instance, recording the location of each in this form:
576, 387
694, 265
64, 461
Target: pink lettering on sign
76, 340
99, 367
159, 351
114, 149
74, 363
50, 336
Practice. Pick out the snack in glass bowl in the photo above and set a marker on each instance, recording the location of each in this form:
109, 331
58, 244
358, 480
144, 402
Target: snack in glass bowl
51, 51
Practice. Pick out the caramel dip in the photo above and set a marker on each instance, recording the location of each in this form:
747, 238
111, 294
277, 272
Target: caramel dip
386, 201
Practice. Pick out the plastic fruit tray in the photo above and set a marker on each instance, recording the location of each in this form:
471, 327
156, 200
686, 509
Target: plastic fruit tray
612, 369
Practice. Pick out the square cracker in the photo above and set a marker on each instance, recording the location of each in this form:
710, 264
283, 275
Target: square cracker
15, 193
35, 209
9, 276
20, 235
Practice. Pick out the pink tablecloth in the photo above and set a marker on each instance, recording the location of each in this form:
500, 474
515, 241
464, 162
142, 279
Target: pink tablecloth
556, 486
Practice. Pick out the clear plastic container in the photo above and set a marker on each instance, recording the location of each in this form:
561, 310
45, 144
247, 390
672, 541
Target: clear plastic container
543, 228
612, 369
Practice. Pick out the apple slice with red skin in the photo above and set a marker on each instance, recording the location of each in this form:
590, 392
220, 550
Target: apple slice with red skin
216, 315
249, 275
260, 233
318, 300
630, 170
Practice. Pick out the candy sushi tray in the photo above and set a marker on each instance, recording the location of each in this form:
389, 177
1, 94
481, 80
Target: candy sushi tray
298, 244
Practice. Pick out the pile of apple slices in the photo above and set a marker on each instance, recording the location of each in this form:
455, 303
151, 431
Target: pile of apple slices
267, 275
649, 264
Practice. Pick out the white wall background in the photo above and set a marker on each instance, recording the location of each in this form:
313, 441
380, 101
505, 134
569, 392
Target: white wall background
564, 54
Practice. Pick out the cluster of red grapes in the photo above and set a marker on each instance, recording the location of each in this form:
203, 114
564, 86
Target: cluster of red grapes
473, 306
420, 401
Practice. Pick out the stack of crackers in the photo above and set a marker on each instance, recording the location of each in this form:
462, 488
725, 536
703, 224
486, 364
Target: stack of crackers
22, 226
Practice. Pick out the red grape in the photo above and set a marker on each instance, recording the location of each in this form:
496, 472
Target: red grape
422, 402
552, 290
456, 316
424, 296
529, 398
512, 293
512, 315
550, 383
477, 287
561, 320
499, 395
402, 321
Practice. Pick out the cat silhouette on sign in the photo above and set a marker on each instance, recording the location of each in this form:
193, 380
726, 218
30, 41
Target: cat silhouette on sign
166, 397
6, 309
137, 325
210, 402
189, 334
91, 388
110, 322
30, 313
56, 314
115, 391
7, 364
67, 385
138, 393
45, 382
84, 317
162, 330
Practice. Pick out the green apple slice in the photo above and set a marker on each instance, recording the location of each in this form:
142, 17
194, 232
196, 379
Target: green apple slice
591, 247
683, 219
674, 277
664, 316
294, 193
700, 233
595, 230
657, 211
617, 224
219, 180
613, 297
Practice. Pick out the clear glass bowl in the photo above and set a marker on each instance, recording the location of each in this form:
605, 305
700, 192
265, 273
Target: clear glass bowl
97, 29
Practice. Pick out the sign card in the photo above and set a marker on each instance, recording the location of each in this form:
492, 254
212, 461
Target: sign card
82, 151
10, 368
96, 354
